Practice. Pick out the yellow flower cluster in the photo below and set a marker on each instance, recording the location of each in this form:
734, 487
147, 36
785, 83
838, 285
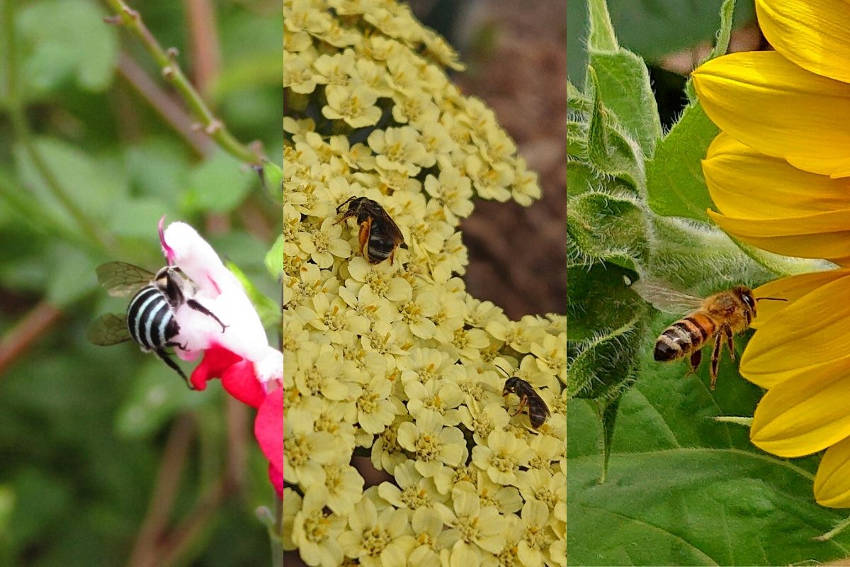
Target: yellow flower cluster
396, 360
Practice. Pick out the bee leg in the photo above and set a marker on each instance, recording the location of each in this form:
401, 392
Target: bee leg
163, 356
198, 307
728, 332
174, 344
693, 361
392, 255
363, 237
522, 403
715, 359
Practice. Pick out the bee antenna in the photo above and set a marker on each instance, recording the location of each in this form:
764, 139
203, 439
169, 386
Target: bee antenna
505, 372
771, 298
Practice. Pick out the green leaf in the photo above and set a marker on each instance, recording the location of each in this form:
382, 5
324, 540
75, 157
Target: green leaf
610, 150
274, 258
157, 167
624, 89
598, 299
602, 227
91, 185
683, 488
218, 184
71, 274
601, 36
674, 179
139, 217
66, 41
273, 180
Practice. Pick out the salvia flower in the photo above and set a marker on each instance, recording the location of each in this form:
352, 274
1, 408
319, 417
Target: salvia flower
250, 369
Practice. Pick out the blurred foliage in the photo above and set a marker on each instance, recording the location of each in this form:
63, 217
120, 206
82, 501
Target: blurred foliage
87, 168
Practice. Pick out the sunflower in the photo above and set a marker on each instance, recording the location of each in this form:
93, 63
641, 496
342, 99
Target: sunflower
779, 174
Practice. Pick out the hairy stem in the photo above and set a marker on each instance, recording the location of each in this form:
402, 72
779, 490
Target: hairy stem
132, 20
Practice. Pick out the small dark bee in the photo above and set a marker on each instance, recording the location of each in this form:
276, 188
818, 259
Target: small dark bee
149, 320
538, 411
379, 234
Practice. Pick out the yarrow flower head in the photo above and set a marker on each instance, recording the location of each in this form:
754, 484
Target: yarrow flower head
393, 356
250, 369
783, 184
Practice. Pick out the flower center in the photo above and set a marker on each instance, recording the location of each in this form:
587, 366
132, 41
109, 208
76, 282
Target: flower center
375, 540
414, 497
427, 447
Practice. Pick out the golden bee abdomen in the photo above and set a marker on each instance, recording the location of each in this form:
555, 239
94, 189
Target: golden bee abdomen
683, 337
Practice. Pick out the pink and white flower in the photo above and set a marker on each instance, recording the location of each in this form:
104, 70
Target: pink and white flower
250, 369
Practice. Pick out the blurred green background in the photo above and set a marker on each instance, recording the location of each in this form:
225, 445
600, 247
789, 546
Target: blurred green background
94, 148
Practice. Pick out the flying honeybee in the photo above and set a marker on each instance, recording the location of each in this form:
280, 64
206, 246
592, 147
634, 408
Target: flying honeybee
717, 318
379, 235
150, 319
538, 411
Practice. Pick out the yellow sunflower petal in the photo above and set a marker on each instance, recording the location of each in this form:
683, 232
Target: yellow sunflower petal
790, 289
804, 415
812, 333
832, 482
814, 34
747, 184
779, 109
821, 235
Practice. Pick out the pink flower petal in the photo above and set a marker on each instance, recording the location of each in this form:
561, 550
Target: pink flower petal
268, 428
240, 382
216, 360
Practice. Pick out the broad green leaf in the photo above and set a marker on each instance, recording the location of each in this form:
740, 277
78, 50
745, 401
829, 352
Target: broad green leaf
218, 184
624, 89
674, 179
139, 217
273, 180
70, 274
609, 149
598, 299
274, 258
684, 489
157, 167
66, 41
41, 497
607, 227
90, 185
601, 36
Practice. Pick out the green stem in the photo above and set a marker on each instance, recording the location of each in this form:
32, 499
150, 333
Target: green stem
213, 127
24, 135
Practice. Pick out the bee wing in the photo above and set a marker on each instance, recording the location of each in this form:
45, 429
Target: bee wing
392, 227
665, 298
121, 279
109, 329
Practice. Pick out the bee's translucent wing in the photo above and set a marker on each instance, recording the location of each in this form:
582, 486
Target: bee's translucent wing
121, 279
665, 298
109, 329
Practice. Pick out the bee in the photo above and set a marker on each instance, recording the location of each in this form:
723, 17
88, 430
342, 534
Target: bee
717, 318
538, 411
150, 318
379, 234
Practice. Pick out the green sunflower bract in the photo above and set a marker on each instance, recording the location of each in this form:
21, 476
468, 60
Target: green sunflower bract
398, 359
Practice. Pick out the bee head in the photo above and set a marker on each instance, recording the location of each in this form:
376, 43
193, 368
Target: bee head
745, 294
511, 385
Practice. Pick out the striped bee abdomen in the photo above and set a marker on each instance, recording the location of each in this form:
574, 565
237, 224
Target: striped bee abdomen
150, 319
683, 337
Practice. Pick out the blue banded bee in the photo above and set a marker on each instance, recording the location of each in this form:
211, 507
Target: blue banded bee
150, 319
379, 234
717, 318
538, 411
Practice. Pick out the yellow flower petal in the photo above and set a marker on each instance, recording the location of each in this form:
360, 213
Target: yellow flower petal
814, 34
832, 482
747, 184
780, 109
822, 235
804, 415
791, 289
812, 332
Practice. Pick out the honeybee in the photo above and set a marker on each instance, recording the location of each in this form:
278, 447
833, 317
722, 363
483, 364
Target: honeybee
717, 317
150, 319
538, 411
379, 234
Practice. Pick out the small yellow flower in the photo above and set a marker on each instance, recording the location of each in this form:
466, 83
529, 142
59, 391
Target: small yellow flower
377, 539
356, 106
399, 149
433, 445
501, 457
315, 532
476, 531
